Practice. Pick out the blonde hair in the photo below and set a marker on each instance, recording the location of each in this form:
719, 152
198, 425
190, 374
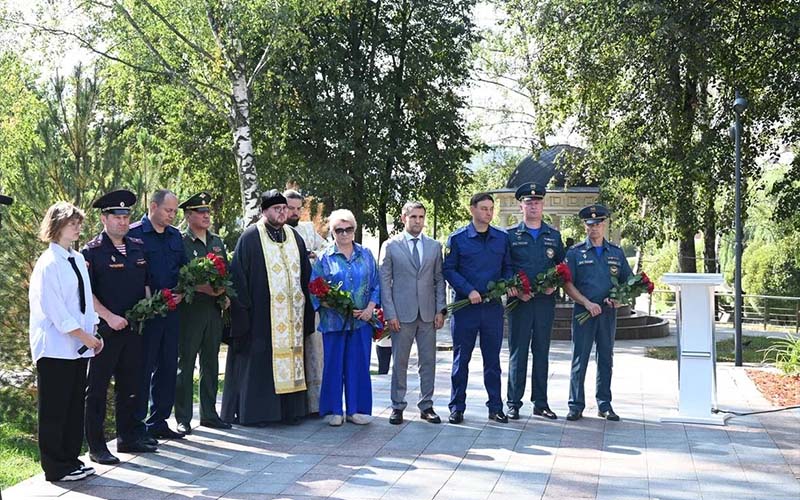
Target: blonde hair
56, 219
339, 215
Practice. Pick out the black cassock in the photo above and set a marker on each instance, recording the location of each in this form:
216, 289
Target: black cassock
248, 397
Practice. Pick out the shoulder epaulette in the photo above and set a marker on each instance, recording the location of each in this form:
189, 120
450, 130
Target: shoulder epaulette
500, 229
577, 245
136, 225
138, 241
95, 242
613, 245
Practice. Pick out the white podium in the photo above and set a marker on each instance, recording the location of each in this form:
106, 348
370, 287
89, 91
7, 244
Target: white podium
697, 354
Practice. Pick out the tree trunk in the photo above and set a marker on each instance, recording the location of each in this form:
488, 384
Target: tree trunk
243, 147
687, 258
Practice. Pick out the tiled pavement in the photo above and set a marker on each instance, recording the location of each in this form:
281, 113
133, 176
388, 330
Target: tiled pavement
754, 457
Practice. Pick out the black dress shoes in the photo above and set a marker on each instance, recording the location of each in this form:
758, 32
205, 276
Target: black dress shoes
498, 416
149, 440
103, 457
221, 424
165, 433
574, 415
608, 415
513, 413
430, 416
396, 418
135, 447
184, 428
545, 412
456, 417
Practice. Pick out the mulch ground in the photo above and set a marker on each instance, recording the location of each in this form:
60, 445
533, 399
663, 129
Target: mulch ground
779, 389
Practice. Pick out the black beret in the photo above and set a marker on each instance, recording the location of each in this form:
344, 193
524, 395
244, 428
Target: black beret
272, 197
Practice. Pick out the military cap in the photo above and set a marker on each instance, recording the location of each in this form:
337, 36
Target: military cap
200, 202
117, 202
6, 200
272, 197
530, 191
594, 214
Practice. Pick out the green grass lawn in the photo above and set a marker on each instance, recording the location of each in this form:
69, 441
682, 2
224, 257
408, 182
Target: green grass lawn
19, 452
750, 350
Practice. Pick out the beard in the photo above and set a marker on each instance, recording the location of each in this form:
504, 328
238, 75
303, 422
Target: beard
293, 221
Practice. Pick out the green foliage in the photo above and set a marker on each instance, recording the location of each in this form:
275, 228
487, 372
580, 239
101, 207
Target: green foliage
19, 453
785, 353
752, 350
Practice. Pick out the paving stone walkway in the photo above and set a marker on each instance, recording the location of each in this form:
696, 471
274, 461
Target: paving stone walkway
753, 457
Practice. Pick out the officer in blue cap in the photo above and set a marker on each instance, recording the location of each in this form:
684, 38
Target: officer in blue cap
535, 248
163, 246
475, 255
118, 272
593, 263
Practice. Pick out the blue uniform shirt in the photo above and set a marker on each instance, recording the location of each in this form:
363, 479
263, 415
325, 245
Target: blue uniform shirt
358, 275
535, 256
164, 253
118, 281
591, 274
470, 261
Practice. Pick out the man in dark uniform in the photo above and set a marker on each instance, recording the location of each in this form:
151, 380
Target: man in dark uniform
163, 246
201, 323
118, 272
535, 248
475, 255
593, 263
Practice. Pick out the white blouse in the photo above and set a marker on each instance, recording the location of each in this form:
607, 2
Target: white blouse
55, 305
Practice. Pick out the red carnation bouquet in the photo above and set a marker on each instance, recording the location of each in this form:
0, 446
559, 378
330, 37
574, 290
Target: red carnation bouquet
341, 301
554, 277
624, 293
496, 289
209, 269
158, 304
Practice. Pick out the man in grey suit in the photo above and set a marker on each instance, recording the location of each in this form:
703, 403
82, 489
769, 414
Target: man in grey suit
412, 296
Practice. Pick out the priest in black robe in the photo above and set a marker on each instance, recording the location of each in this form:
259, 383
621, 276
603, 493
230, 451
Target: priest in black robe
264, 372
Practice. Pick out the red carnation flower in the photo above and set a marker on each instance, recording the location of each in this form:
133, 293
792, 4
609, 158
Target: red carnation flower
319, 287
563, 271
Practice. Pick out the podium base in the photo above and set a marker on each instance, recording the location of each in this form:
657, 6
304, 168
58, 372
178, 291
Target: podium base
710, 419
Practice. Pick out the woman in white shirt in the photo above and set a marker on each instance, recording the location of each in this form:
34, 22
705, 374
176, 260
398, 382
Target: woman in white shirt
62, 336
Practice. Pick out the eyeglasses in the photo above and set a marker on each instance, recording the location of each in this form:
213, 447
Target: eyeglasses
279, 208
344, 230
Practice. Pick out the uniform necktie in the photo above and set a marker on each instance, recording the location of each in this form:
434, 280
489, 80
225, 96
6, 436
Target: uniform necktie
415, 253
80, 283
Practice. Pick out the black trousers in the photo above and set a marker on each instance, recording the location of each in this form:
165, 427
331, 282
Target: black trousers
384, 358
61, 384
121, 358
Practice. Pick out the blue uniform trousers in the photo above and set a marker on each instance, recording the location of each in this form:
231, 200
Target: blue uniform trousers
530, 324
160, 361
485, 319
347, 357
600, 330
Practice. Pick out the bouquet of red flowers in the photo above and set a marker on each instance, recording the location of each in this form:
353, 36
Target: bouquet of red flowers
496, 289
334, 297
209, 269
624, 293
554, 277
158, 304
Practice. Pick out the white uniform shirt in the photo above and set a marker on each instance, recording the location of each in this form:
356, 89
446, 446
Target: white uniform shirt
55, 305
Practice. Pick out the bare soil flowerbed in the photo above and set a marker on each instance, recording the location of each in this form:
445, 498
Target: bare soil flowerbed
779, 389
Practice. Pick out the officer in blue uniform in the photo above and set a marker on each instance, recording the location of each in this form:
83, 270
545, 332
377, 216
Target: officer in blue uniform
163, 245
593, 263
535, 248
118, 272
475, 255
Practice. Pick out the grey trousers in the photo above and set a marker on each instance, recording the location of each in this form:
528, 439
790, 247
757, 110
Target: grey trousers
425, 336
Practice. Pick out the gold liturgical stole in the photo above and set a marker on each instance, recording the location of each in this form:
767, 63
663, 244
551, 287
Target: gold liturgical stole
287, 305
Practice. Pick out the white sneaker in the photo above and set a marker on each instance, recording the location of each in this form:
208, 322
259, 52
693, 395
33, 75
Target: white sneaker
88, 470
335, 420
359, 419
75, 475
